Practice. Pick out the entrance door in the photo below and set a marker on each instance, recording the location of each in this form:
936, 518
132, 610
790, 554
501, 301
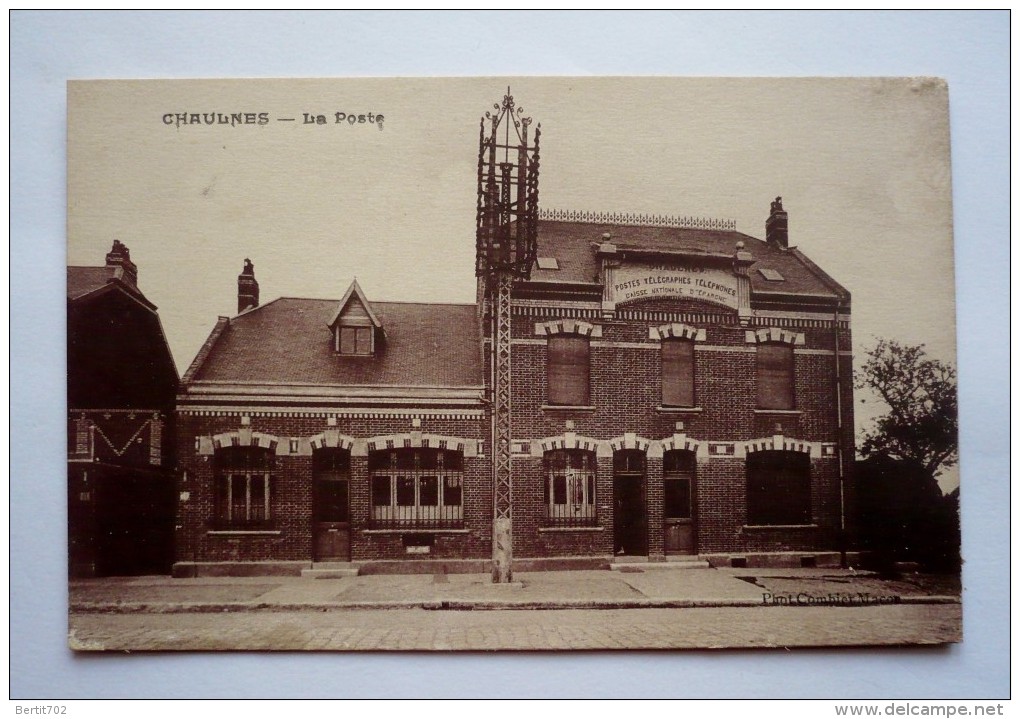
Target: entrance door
678, 505
331, 470
332, 520
630, 535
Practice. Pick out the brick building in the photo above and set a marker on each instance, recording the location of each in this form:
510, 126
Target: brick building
332, 430
121, 389
679, 389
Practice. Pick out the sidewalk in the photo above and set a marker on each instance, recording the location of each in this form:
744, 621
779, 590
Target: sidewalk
594, 589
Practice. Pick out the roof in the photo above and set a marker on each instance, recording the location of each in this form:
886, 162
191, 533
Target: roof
85, 281
288, 341
82, 280
357, 294
572, 244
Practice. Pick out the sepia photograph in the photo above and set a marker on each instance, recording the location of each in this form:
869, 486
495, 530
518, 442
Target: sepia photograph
511, 364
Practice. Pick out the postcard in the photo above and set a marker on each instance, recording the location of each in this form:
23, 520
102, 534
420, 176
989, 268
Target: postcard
511, 364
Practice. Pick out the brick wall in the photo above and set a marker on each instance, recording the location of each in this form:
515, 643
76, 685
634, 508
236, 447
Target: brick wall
292, 492
625, 390
626, 396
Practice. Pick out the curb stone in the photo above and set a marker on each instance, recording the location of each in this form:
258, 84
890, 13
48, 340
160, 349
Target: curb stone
458, 605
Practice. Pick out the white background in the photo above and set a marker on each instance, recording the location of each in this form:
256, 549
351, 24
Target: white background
969, 50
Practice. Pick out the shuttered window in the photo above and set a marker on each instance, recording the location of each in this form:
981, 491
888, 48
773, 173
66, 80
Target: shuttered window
775, 376
678, 373
778, 488
568, 370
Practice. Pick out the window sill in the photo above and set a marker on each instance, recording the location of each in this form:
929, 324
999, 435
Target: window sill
679, 410
244, 532
416, 530
569, 407
778, 411
765, 527
571, 529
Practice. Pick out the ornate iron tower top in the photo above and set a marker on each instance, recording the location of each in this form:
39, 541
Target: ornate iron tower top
507, 221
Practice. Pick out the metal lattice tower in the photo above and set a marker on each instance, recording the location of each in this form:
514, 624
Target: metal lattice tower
506, 247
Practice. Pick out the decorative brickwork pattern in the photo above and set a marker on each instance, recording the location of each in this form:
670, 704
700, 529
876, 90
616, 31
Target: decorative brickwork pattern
775, 334
568, 326
677, 331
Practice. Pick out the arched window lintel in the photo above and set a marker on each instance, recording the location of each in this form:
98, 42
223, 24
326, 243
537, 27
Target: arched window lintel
678, 331
568, 327
774, 335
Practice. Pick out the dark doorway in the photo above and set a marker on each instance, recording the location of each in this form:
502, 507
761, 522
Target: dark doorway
630, 525
134, 513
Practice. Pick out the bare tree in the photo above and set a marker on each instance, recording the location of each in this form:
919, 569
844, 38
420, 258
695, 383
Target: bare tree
921, 424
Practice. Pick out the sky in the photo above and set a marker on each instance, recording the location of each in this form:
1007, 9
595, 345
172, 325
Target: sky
862, 166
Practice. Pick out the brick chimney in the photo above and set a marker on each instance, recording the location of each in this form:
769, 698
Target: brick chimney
247, 288
120, 266
776, 227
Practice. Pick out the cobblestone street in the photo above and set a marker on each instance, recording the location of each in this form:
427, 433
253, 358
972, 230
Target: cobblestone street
530, 630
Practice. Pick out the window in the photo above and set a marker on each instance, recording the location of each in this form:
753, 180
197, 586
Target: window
418, 487
677, 373
330, 481
778, 488
775, 376
243, 488
568, 370
569, 488
355, 340
771, 275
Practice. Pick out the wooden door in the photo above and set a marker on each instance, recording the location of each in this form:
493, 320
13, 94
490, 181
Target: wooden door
332, 520
678, 506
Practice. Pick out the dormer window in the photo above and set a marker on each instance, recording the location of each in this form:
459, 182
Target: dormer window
355, 328
355, 340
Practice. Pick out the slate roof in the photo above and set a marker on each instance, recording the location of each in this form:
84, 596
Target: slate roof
571, 243
288, 341
83, 281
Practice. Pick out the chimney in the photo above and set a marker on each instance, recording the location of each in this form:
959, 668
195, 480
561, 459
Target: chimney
247, 288
120, 266
776, 227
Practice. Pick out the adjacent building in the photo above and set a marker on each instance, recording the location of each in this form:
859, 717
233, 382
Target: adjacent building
680, 390
121, 390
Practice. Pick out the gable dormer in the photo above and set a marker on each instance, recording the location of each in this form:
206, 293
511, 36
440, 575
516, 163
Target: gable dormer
356, 331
